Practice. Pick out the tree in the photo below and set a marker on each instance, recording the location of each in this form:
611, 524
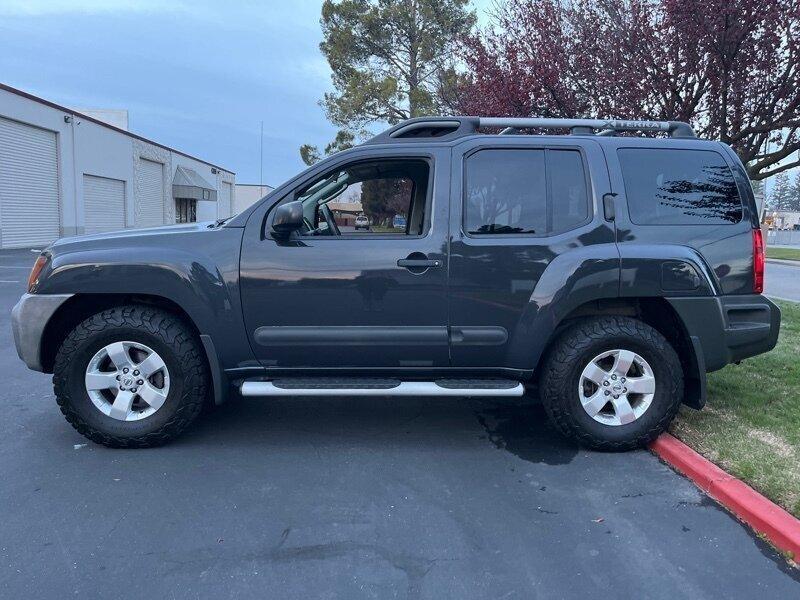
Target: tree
310, 154
781, 196
382, 199
730, 67
391, 60
795, 193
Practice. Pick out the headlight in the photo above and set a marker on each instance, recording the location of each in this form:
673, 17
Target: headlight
33, 278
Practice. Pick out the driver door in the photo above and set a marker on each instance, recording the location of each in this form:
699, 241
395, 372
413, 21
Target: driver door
335, 297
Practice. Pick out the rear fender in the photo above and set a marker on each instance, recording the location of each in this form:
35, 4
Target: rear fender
570, 280
648, 270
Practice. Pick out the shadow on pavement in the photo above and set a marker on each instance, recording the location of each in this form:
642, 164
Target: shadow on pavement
519, 426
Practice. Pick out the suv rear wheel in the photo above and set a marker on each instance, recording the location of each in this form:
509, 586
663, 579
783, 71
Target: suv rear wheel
131, 377
611, 383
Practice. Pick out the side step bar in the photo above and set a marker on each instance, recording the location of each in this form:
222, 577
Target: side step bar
461, 388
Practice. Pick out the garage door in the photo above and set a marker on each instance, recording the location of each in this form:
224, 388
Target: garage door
103, 204
151, 194
224, 201
29, 215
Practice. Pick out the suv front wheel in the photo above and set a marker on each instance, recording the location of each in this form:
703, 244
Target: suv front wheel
131, 377
611, 383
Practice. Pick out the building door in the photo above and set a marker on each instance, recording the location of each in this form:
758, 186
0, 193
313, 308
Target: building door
185, 210
103, 204
29, 213
150, 211
224, 201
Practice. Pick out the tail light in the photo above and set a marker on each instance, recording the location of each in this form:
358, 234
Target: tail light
758, 261
33, 278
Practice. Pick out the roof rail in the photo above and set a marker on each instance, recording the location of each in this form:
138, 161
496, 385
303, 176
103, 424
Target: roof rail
587, 126
447, 128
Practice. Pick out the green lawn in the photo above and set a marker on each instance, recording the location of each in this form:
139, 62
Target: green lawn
784, 253
751, 424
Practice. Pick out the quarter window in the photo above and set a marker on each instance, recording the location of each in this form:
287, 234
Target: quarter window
679, 187
526, 191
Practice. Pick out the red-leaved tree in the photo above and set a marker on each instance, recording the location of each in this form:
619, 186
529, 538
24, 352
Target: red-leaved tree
729, 67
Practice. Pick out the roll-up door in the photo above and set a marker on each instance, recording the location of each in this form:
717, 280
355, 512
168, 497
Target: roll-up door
224, 202
151, 190
29, 214
103, 204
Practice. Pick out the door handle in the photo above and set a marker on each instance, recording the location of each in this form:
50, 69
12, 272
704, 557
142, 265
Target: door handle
417, 262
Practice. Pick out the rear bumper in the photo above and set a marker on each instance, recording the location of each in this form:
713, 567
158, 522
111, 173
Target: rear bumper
28, 320
729, 328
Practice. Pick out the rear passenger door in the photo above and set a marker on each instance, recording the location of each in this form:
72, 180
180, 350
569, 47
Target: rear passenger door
517, 204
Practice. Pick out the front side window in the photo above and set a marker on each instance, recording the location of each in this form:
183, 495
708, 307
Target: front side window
679, 187
375, 197
524, 191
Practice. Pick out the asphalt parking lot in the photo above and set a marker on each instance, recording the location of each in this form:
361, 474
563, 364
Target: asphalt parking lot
782, 280
361, 498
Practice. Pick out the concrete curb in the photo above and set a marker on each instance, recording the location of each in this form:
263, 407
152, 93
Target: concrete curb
762, 515
784, 261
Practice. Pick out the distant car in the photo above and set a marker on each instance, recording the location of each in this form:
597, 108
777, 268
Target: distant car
399, 222
362, 222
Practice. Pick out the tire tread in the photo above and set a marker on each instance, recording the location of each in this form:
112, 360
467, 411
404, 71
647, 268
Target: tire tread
175, 333
568, 348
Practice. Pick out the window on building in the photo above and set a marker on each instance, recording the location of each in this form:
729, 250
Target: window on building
679, 187
185, 210
521, 191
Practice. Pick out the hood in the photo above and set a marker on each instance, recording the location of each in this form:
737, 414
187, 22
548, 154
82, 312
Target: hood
96, 239
151, 236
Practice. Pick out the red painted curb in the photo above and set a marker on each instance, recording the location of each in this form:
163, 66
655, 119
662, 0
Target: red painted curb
762, 515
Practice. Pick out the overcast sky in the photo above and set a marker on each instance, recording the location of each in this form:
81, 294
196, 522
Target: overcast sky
198, 76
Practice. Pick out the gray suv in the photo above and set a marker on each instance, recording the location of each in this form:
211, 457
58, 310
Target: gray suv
610, 272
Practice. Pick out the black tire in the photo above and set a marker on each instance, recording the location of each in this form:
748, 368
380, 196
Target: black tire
165, 333
575, 348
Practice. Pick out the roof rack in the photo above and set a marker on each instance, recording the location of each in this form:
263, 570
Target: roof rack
447, 128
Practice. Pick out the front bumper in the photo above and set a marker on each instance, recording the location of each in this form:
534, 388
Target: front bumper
28, 320
729, 328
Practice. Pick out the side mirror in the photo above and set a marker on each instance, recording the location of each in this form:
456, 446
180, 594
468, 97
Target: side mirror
288, 218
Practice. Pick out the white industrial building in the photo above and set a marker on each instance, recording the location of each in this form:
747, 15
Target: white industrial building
63, 172
248, 194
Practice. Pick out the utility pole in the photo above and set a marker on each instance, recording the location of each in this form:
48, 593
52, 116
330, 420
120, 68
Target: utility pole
261, 163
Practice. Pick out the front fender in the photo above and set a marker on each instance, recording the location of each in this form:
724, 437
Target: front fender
187, 279
203, 282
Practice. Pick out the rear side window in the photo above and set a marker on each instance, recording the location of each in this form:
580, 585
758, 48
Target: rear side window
679, 187
518, 191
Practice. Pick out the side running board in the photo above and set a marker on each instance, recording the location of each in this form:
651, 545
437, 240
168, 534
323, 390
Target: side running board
382, 387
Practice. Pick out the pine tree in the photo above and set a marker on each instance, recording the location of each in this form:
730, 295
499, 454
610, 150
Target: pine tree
390, 60
794, 203
780, 198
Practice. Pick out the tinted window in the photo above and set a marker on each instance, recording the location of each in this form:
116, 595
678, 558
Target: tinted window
679, 187
568, 189
506, 191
